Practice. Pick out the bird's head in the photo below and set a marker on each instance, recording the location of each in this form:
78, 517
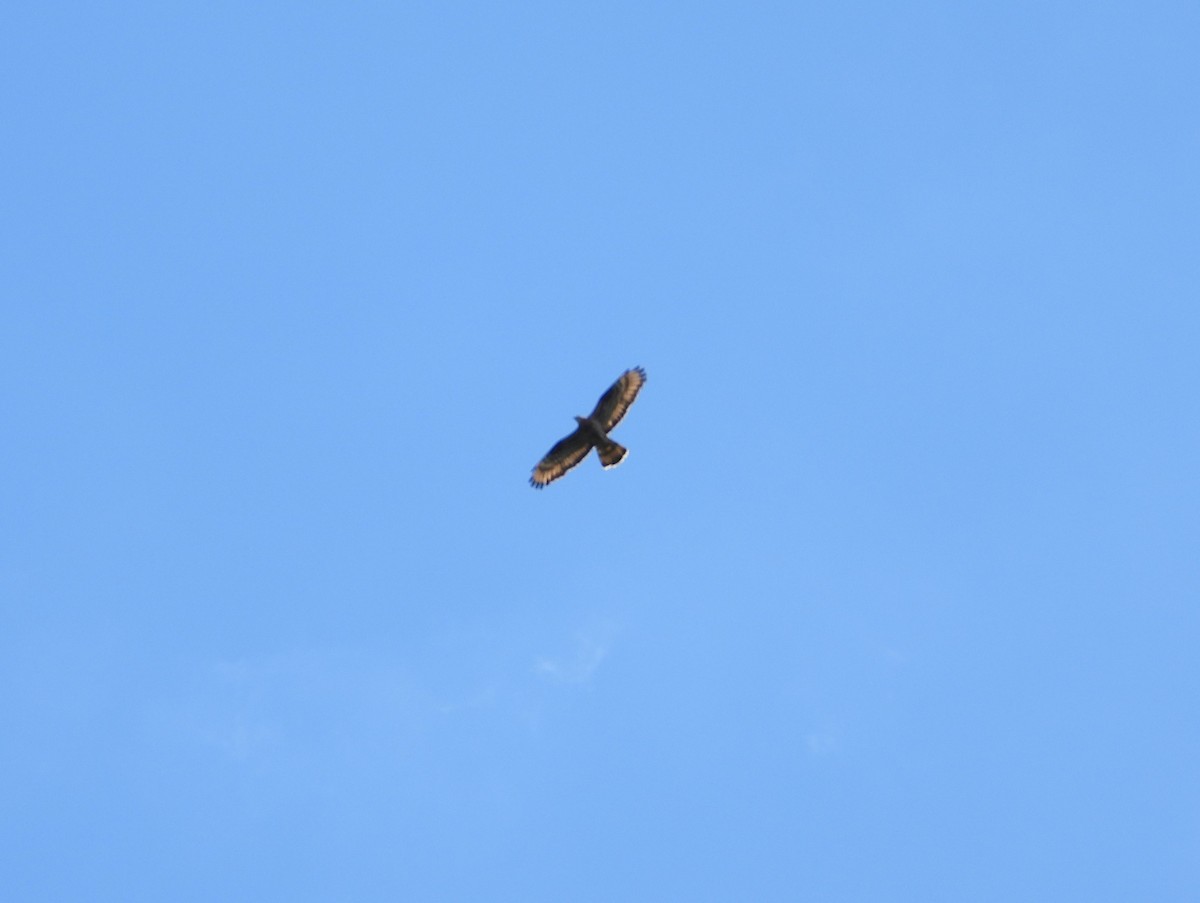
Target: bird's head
579, 419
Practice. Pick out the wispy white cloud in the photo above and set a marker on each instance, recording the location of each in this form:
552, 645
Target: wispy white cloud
589, 649
822, 741
486, 697
321, 717
241, 739
299, 705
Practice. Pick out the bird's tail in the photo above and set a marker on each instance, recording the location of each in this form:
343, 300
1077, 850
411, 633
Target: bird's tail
611, 453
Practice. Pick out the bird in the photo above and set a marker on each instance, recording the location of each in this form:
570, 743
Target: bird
592, 432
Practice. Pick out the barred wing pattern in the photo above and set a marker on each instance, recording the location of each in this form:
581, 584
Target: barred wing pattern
592, 432
566, 454
616, 401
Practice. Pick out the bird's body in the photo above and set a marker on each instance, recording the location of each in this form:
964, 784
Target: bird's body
592, 432
593, 428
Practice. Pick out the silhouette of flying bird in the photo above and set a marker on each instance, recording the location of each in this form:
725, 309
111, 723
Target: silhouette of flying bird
592, 432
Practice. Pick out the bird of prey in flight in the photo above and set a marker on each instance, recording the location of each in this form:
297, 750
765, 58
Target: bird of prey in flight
592, 432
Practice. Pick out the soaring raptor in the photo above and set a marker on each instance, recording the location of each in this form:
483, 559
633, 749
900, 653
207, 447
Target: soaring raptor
592, 432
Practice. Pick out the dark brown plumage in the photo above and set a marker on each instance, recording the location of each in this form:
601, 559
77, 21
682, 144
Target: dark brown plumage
592, 432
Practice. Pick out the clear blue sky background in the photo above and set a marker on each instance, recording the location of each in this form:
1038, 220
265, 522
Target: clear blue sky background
895, 599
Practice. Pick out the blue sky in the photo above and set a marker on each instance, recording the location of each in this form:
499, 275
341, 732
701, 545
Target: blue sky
895, 598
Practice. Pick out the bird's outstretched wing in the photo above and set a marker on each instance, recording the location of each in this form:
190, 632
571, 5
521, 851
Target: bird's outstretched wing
620, 395
566, 454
